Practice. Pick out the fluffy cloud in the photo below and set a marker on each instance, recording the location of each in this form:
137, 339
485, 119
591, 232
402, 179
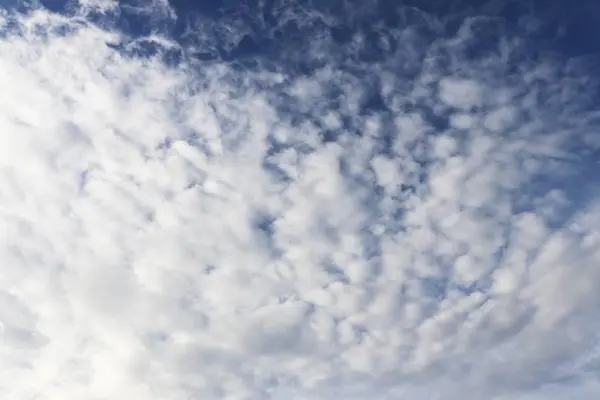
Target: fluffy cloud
415, 222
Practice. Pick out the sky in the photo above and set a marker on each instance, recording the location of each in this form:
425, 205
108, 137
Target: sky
292, 199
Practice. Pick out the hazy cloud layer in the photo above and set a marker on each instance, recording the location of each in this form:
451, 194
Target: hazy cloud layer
319, 221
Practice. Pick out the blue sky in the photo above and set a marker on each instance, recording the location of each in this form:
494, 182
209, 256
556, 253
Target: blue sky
285, 200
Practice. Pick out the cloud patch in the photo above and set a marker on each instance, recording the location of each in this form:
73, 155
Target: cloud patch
359, 226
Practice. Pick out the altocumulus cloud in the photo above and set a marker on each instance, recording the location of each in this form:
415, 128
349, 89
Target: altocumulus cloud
362, 208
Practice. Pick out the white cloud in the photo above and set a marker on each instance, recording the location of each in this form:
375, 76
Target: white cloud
463, 94
175, 231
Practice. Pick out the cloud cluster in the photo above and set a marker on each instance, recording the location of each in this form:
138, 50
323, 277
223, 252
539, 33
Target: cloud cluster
374, 227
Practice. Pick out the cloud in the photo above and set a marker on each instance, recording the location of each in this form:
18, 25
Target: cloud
375, 226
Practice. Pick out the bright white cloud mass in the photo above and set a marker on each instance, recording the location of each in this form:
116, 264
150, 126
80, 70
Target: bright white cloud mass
411, 215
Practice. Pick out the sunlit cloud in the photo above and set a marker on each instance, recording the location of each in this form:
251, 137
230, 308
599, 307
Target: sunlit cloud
308, 221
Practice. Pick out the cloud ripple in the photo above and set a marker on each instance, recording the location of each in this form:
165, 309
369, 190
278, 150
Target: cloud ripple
360, 207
